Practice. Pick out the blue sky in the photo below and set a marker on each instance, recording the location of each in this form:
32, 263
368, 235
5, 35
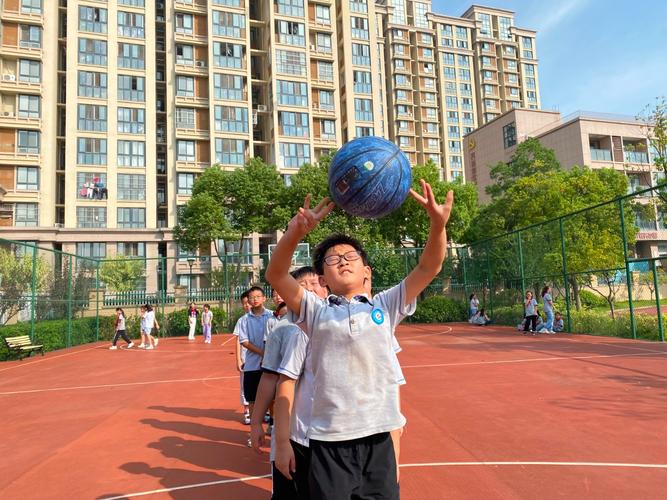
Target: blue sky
608, 56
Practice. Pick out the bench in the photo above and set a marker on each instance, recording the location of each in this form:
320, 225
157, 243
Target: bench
22, 346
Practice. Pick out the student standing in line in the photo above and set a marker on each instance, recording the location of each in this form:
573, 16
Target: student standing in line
120, 330
207, 323
530, 312
192, 320
548, 306
149, 323
240, 361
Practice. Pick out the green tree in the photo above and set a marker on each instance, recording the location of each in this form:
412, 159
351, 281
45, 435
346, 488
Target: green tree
122, 274
654, 119
16, 279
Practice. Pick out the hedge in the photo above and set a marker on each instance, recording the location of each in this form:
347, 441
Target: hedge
438, 309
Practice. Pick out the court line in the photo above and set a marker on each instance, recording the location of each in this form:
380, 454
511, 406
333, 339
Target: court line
230, 338
426, 335
427, 464
103, 386
48, 358
527, 360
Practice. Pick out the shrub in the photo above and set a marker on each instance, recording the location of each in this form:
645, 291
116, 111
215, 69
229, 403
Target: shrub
236, 314
507, 315
591, 300
438, 309
177, 325
601, 323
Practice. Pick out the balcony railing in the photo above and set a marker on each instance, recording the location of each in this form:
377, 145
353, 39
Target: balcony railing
600, 154
635, 157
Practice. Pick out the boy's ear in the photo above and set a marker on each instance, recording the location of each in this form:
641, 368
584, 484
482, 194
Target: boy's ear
323, 281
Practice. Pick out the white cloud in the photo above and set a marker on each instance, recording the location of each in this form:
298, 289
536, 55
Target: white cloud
553, 15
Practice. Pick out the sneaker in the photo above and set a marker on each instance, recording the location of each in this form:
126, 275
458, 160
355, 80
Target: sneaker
130, 345
141, 346
155, 341
113, 348
249, 443
246, 419
267, 417
149, 347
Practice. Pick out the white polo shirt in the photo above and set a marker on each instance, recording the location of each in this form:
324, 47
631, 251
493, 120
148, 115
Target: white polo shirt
355, 383
250, 328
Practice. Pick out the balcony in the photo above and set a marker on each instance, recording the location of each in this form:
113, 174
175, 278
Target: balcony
323, 109
192, 67
600, 154
11, 119
191, 37
13, 83
189, 132
182, 100
22, 49
191, 165
635, 157
18, 158
191, 6
326, 138
21, 16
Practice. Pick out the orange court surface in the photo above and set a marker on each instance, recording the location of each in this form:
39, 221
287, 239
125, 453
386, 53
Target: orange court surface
492, 414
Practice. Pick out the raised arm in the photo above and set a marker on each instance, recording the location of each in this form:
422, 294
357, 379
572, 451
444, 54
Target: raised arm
277, 272
430, 262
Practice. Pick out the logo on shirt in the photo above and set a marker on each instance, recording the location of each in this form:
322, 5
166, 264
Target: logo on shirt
377, 316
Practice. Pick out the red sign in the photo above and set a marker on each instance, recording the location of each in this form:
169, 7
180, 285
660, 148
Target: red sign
647, 236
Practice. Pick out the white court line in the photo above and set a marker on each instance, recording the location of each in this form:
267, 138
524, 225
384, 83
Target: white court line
48, 358
102, 386
429, 464
230, 338
528, 360
425, 335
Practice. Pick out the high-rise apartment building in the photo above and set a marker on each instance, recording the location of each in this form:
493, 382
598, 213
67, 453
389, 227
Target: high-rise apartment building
111, 109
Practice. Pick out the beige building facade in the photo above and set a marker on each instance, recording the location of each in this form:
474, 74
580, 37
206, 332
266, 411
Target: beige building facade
109, 110
596, 140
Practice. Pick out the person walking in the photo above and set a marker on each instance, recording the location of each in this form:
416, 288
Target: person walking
206, 323
120, 330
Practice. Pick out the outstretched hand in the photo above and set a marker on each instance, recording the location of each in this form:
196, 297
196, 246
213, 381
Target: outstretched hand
308, 218
437, 213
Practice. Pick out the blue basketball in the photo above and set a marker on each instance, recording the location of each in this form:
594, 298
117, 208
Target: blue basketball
369, 177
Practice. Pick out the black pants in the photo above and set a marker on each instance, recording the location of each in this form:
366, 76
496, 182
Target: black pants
297, 488
358, 469
121, 333
532, 321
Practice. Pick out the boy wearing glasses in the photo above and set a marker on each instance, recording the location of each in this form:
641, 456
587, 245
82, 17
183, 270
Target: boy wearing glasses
356, 403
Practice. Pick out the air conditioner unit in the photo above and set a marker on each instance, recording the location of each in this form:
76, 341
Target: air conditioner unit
159, 19
58, 225
313, 46
261, 107
201, 64
9, 78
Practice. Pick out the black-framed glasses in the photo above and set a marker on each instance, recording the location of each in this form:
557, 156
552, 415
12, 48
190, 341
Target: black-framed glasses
333, 260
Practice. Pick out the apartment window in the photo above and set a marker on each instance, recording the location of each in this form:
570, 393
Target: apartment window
325, 71
450, 73
231, 119
131, 55
404, 142
446, 30
228, 24
399, 64
359, 27
131, 249
361, 54
185, 86
228, 3
465, 89
131, 25
450, 87
362, 82
399, 50
453, 131
26, 215
453, 116
228, 87
464, 74
510, 51
364, 131
511, 65
466, 103
292, 93
451, 102
131, 88
402, 80
27, 178
403, 126
485, 24
92, 118
488, 89
403, 110
131, 217
509, 135
28, 142
91, 217
432, 143
326, 98
531, 95
486, 61
420, 10
230, 151
184, 23
131, 187
504, 24
29, 106
294, 155
467, 130
399, 15
402, 95
529, 69
185, 118
431, 113
290, 7
461, 44
428, 83
328, 130
31, 6
92, 84
489, 116
185, 150
133, 3
514, 92
431, 128
513, 78
448, 58
464, 61
468, 119
91, 151
456, 162
526, 43
363, 110
530, 82
455, 146
185, 182
323, 43
358, 6
92, 51
92, 250
426, 38
490, 103
293, 124
30, 71
487, 75
92, 19
30, 36
291, 33
515, 104
131, 120
185, 54
461, 32
322, 14
228, 55
91, 185
131, 153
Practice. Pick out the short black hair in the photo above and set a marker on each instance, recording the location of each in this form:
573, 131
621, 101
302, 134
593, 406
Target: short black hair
244, 295
297, 274
331, 241
255, 289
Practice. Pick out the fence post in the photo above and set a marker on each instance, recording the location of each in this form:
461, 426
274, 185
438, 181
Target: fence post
489, 276
465, 274
521, 270
97, 300
657, 301
33, 292
565, 283
628, 274
70, 272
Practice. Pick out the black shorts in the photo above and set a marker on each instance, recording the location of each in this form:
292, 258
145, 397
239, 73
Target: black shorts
364, 468
297, 488
250, 384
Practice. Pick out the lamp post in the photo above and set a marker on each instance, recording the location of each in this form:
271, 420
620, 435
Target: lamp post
191, 261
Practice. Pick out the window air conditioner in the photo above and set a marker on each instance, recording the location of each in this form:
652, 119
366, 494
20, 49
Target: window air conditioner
261, 107
9, 78
201, 64
313, 46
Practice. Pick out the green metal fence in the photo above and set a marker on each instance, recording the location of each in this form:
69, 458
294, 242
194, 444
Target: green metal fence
605, 265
